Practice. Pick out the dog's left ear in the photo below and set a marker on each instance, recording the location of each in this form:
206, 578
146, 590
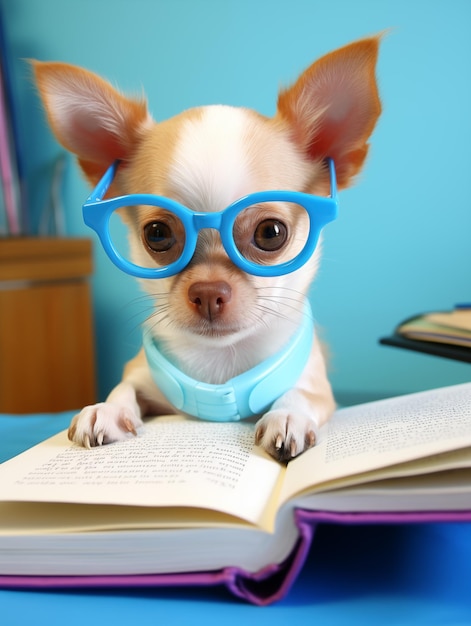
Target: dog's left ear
334, 105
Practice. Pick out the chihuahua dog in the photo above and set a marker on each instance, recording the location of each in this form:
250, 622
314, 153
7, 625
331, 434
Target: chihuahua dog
220, 313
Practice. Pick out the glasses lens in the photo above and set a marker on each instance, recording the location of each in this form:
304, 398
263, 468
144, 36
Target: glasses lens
147, 236
271, 233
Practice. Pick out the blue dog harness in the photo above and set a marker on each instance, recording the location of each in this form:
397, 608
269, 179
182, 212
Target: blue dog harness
250, 393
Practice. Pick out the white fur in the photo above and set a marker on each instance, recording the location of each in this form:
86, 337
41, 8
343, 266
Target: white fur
210, 165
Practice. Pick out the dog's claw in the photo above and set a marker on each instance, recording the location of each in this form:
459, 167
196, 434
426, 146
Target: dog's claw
72, 431
310, 439
259, 435
129, 426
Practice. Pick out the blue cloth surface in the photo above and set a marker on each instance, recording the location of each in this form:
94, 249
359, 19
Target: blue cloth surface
381, 575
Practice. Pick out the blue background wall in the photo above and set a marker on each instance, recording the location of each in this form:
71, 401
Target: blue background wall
402, 241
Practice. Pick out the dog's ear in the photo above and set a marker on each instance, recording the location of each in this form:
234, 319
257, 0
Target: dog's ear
89, 117
334, 105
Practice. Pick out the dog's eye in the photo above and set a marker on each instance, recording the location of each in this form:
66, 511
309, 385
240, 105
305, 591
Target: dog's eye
270, 235
159, 236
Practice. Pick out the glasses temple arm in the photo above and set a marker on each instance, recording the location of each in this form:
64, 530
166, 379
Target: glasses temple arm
103, 185
333, 178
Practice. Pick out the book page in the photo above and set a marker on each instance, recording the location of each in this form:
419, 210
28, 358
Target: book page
379, 434
173, 462
425, 330
460, 318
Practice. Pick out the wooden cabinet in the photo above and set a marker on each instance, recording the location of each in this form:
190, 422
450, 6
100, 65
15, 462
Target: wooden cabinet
47, 358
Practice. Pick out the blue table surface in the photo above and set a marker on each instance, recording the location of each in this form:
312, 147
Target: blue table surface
381, 575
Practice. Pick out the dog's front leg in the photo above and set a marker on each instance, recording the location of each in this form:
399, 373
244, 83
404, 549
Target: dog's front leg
292, 424
121, 415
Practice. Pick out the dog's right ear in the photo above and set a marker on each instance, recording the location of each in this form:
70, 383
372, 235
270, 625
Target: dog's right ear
89, 117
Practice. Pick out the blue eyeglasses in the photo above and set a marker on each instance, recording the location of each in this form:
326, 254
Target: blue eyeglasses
268, 233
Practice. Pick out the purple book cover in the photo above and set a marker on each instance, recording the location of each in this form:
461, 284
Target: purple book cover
261, 588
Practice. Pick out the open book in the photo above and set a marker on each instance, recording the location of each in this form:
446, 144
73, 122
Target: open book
195, 502
449, 327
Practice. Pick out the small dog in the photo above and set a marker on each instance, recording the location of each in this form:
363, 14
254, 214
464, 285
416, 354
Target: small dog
220, 312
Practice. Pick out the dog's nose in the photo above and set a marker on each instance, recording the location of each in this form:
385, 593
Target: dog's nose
210, 298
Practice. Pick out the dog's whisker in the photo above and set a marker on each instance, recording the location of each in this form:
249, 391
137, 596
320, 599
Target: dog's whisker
158, 319
152, 310
279, 311
279, 296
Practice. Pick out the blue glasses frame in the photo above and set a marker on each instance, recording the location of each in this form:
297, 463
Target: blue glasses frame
97, 213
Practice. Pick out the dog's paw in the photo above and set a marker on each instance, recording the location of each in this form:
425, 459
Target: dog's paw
284, 435
103, 423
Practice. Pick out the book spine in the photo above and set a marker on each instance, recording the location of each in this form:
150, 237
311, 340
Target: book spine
12, 177
6, 168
